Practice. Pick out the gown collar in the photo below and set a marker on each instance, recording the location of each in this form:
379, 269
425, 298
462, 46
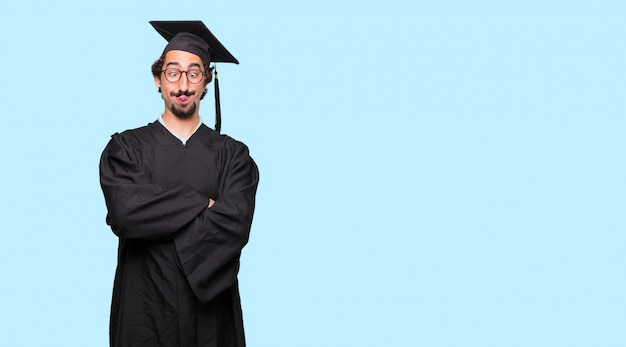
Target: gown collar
182, 139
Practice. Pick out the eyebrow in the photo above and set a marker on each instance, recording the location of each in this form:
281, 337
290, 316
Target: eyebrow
174, 63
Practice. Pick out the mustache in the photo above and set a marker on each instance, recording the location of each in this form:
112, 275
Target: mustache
180, 93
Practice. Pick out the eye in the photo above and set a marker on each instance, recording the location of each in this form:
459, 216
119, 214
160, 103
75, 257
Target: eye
195, 74
172, 73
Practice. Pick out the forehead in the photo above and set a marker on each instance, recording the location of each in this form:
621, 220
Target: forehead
181, 58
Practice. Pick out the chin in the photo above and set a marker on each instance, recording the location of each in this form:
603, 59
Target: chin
184, 114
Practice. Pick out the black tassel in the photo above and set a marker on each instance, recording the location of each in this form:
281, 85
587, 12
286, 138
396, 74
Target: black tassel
218, 111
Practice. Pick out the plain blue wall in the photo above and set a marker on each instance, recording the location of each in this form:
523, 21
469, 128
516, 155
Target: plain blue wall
433, 173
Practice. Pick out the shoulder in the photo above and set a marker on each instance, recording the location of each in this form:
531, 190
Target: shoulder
145, 134
222, 141
236, 155
233, 143
135, 138
130, 142
231, 152
233, 146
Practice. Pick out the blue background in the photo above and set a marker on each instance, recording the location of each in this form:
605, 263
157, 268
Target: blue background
433, 173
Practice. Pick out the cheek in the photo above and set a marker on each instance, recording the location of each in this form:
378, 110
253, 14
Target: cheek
199, 92
166, 89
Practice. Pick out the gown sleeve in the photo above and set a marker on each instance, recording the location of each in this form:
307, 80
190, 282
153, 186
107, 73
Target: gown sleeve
209, 248
138, 209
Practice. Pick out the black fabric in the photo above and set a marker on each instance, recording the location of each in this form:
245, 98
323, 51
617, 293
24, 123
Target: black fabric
190, 43
218, 107
172, 28
176, 279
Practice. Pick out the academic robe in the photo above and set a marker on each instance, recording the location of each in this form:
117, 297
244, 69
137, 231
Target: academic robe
176, 278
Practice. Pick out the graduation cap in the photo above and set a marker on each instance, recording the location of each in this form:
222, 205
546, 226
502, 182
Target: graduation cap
194, 37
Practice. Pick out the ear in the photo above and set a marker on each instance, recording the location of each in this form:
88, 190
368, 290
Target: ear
157, 81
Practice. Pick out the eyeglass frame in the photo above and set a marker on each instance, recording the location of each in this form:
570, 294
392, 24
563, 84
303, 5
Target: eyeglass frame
202, 73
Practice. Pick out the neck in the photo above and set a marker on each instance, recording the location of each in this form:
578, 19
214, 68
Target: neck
181, 127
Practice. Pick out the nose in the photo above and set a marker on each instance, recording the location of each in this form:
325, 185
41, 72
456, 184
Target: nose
183, 82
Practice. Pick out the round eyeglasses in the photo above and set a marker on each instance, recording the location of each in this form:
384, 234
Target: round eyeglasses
193, 75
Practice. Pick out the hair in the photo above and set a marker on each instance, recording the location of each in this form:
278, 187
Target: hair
157, 68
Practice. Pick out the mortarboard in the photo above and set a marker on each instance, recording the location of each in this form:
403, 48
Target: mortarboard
194, 37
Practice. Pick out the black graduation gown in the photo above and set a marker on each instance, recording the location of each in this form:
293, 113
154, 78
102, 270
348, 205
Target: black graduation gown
176, 278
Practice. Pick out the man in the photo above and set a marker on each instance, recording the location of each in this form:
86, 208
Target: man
180, 197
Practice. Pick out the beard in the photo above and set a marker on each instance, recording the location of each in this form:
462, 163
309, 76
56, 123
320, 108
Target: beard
180, 113
184, 114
